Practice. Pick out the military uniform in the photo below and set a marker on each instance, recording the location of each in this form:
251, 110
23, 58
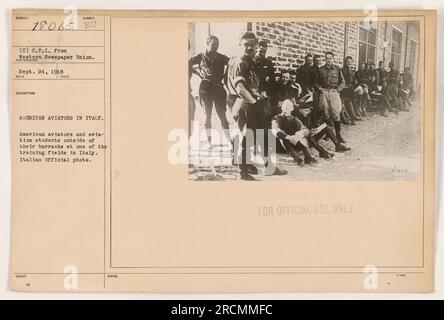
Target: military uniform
306, 76
331, 82
347, 94
284, 126
264, 70
393, 78
191, 104
406, 89
251, 115
382, 75
287, 91
211, 69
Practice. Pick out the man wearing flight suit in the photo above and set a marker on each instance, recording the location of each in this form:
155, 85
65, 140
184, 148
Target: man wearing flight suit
210, 67
331, 82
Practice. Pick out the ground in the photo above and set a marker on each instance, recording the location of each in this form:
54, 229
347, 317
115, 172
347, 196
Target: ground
381, 149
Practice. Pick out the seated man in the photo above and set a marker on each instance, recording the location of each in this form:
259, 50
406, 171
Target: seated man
361, 80
318, 129
381, 94
373, 82
292, 133
288, 88
295, 86
406, 88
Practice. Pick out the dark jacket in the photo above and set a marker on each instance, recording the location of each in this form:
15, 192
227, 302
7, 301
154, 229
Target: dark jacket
209, 66
361, 77
349, 78
286, 91
393, 77
306, 76
313, 120
286, 125
241, 69
382, 75
373, 79
407, 81
264, 69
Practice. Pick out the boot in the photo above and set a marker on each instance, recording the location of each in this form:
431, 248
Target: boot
276, 172
329, 124
296, 158
345, 116
360, 112
344, 119
364, 107
324, 154
251, 169
338, 132
394, 110
351, 114
383, 111
308, 159
356, 109
243, 175
279, 172
341, 148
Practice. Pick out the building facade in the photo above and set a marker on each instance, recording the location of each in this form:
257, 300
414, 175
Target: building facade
289, 42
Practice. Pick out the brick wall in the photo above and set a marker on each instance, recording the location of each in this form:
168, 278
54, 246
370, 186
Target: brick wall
352, 40
289, 42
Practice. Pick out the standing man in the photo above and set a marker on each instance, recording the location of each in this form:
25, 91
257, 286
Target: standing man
406, 88
331, 82
317, 61
191, 104
393, 80
245, 102
264, 69
382, 72
348, 93
373, 81
306, 75
210, 67
374, 77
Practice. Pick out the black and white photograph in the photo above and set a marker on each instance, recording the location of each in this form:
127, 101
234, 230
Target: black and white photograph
305, 100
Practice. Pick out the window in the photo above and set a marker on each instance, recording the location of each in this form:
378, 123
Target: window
396, 48
367, 42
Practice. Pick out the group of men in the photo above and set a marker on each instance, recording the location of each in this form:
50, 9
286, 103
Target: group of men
299, 107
